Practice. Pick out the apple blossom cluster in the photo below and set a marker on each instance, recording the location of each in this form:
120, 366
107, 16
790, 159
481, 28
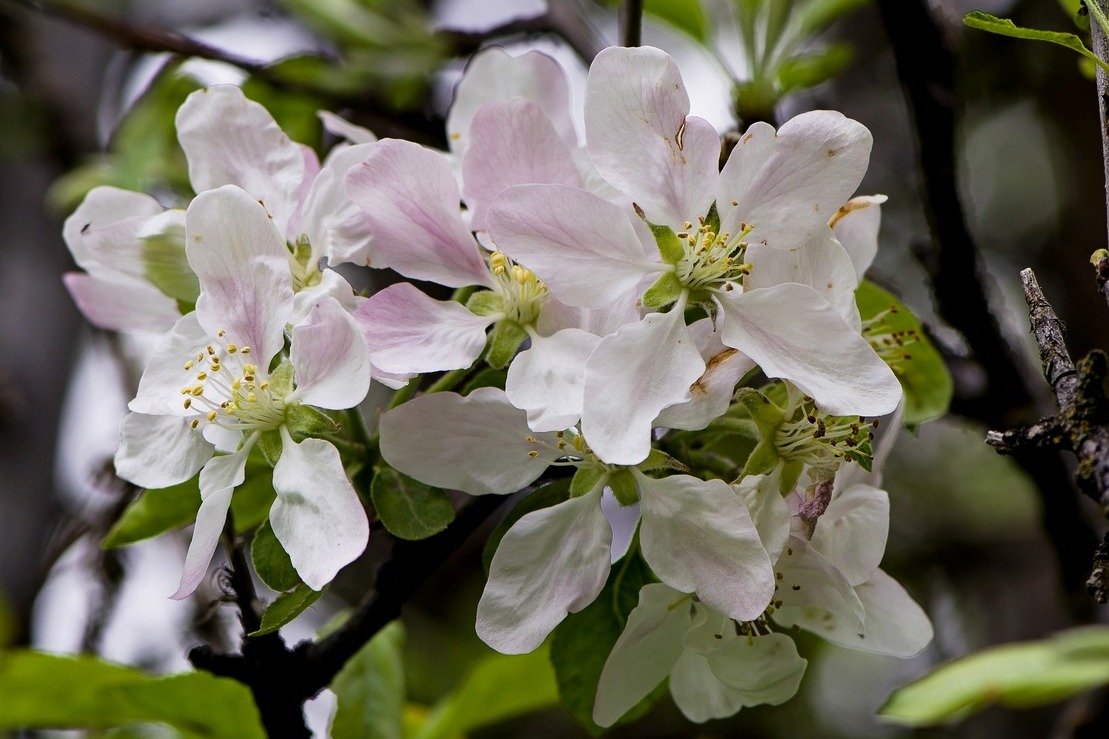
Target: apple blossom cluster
617, 291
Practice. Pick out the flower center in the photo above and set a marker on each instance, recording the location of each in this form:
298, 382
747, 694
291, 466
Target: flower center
817, 439
230, 391
303, 271
712, 261
523, 293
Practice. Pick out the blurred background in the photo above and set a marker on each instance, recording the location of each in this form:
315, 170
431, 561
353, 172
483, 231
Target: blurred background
81, 105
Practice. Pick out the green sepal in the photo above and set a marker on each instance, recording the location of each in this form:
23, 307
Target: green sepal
660, 460
505, 339
791, 473
285, 608
165, 265
624, 486
304, 420
487, 377
269, 443
762, 410
281, 379
669, 245
712, 218
762, 459
302, 250
585, 479
272, 562
666, 290
485, 303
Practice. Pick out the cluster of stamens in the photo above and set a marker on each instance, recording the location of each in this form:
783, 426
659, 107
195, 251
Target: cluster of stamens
227, 390
815, 438
571, 447
302, 270
888, 342
523, 293
712, 261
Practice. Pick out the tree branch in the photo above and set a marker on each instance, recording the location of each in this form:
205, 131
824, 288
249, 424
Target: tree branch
631, 22
1101, 48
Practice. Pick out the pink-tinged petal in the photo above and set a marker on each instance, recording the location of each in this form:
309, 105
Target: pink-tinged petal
332, 286
895, 624
552, 562
641, 139
698, 537
822, 264
856, 225
230, 140
556, 316
218, 480
317, 516
159, 451
631, 376
478, 444
584, 248
851, 534
242, 263
409, 332
106, 223
793, 333
165, 373
814, 594
787, 185
548, 379
711, 394
412, 207
330, 359
644, 654
512, 143
344, 129
392, 380
337, 228
495, 75
117, 302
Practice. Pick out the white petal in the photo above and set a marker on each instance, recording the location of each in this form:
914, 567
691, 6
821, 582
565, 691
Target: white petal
241, 260
410, 332
330, 358
764, 670
641, 139
512, 143
622, 519
548, 379
331, 285
494, 74
644, 654
822, 264
159, 451
117, 302
856, 225
218, 480
698, 537
584, 248
551, 562
103, 230
851, 534
698, 693
793, 333
895, 624
631, 376
343, 128
556, 316
230, 140
165, 375
712, 391
317, 516
477, 443
815, 595
787, 185
337, 228
768, 510
412, 207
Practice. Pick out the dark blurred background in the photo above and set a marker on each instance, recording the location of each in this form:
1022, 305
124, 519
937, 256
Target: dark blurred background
966, 536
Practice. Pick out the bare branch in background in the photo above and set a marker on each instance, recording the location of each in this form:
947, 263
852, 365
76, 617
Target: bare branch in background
631, 22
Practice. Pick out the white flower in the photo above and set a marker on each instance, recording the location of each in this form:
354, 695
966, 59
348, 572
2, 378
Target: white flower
211, 374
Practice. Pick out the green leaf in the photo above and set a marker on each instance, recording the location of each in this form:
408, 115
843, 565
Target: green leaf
1017, 675
51, 691
370, 689
285, 608
665, 290
485, 303
543, 496
923, 374
251, 503
272, 562
155, 512
165, 265
809, 70
816, 15
1005, 27
500, 687
408, 508
624, 486
487, 377
505, 339
582, 642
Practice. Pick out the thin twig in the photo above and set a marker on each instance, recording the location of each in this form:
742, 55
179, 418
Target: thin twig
1101, 48
631, 22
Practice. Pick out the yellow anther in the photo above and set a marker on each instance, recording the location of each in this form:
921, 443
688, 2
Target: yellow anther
210, 349
498, 262
533, 454
221, 333
231, 348
188, 402
250, 369
236, 383
532, 440
195, 422
252, 397
215, 367
245, 350
189, 365
197, 391
212, 415
264, 384
202, 376
248, 378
